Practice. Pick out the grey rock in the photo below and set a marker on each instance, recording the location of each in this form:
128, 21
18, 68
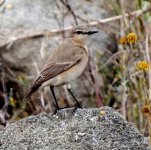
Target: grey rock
81, 129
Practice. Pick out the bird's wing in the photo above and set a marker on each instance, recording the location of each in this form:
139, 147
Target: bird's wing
66, 56
53, 69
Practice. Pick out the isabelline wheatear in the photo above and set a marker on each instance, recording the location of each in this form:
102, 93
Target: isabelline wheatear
65, 65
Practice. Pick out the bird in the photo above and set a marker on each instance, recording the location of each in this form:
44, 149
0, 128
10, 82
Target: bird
65, 64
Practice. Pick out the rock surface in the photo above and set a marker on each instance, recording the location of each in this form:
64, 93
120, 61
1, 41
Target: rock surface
83, 129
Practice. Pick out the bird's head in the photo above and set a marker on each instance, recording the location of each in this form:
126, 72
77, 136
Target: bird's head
82, 34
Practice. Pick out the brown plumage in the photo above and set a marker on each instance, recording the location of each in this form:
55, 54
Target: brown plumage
58, 64
64, 65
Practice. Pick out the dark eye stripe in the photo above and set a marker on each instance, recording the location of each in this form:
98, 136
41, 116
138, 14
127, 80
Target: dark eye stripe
89, 32
79, 32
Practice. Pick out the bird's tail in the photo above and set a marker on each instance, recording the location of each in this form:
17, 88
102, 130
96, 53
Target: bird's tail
32, 91
28, 96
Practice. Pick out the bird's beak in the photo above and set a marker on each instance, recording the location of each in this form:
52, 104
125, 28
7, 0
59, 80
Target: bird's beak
92, 32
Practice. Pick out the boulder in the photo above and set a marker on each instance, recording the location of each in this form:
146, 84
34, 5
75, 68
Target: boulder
76, 129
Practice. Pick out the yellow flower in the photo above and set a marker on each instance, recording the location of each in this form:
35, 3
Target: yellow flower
123, 40
131, 38
146, 109
12, 101
143, 65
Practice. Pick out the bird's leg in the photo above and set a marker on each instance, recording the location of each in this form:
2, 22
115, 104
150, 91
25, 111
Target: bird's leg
52, 90
78, 104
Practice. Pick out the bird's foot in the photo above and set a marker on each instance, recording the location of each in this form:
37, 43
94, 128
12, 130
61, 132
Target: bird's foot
58, 109
74, 109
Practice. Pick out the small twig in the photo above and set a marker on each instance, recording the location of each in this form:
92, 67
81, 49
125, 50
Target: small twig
36, 66
67, 5
3, 74
60, 23
81, 18
3, 83
2, 2
42, 49
123, 18
94, 76
149, 82
114, 56
99, 98
123, 83
58, 31
149, 61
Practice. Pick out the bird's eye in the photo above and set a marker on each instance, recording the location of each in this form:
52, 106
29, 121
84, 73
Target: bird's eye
79, 32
